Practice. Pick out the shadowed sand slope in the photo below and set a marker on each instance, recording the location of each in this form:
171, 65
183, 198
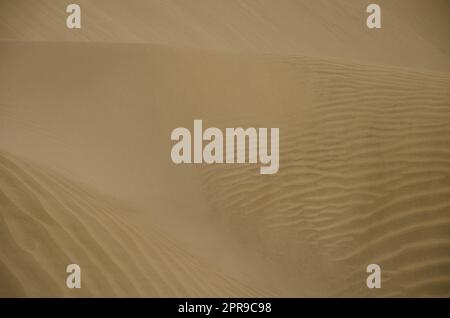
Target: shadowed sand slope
48, 222
414, 34
364, 172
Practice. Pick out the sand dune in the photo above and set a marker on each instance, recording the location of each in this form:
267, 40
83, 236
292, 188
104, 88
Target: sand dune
365, 165
85, 122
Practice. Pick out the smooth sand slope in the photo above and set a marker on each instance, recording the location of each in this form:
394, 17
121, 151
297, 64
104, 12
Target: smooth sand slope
85, 122
415, 32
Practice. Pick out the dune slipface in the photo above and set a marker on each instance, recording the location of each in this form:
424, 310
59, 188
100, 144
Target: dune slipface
85, 149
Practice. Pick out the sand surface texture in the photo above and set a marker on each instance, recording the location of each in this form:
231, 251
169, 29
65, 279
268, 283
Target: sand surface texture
86, 175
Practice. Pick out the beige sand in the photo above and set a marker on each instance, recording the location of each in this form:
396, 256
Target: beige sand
85, 122
415, 32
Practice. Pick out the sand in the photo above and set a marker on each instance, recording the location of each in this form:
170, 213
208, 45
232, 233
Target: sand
86, 175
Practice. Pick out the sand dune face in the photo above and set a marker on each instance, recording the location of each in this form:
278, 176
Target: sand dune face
86, 174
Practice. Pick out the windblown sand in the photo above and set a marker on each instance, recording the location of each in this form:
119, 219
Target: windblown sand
86, 175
